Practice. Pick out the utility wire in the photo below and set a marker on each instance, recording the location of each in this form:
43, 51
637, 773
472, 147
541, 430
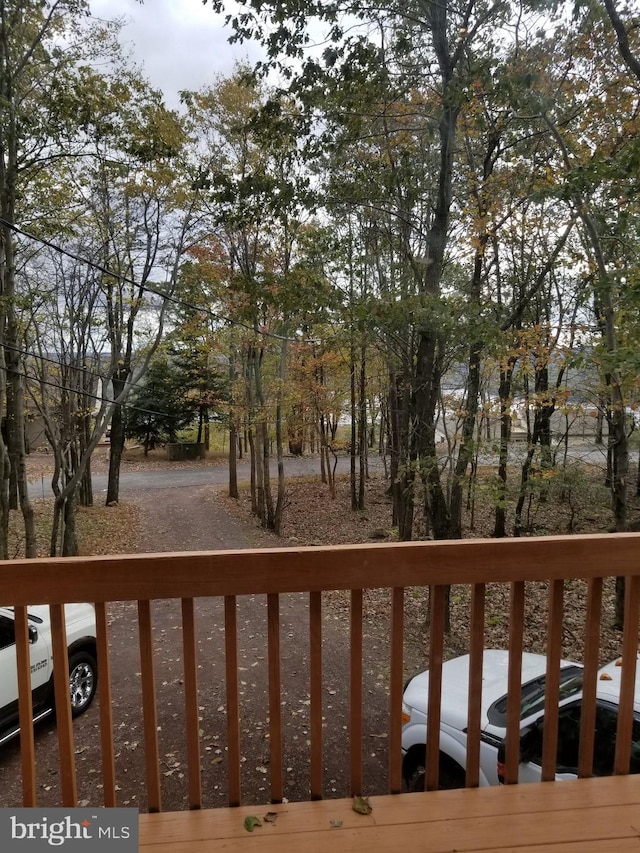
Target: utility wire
82, 393
67, 387
174, 300
106, 379
57, 362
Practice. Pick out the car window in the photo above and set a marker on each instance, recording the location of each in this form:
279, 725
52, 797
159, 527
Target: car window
532, 695
7, 632
605, 741
569, 740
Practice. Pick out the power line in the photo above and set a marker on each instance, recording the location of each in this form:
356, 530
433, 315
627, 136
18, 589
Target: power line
58, 386
55, 361
174, 300
67, 387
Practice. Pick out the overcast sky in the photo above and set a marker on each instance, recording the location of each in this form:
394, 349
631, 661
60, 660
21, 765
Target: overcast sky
180, 43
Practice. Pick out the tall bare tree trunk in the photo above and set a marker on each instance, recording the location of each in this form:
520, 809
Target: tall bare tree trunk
116, 442
504, 393
15, 400
279, 511
233, 457
362, 428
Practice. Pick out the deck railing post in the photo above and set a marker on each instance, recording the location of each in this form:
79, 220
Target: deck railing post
275, 690
106, 708
476, 654
25, 707
514, 689
436, 654
628, 677
233, 704
355, 706
149, 710
395, 690
192, 713
315, 691
593, 619
552, 686
63, 706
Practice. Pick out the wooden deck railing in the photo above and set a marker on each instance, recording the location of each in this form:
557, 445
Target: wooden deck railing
272, 573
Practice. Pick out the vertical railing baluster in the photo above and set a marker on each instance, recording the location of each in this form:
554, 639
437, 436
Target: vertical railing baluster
149, 710
191, 704
476, 653
106, 706
315, 673
552, 681
593, 619
395, 690
436, 649
63, 706
233, 703
514, 686
25, 708
355, 694
275, 691
628, 675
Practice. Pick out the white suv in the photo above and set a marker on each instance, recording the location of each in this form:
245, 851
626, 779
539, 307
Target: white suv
83, 673
453, 722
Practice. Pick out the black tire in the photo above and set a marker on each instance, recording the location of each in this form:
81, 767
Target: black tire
413, 770
83, 681
450, 774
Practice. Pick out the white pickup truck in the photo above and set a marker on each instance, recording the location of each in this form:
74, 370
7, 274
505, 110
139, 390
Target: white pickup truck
83, 674
453, 722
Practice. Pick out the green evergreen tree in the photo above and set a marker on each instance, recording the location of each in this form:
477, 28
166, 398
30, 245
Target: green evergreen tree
159, 408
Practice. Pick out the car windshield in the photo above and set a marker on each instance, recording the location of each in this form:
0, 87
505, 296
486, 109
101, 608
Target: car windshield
30, 616
532, 696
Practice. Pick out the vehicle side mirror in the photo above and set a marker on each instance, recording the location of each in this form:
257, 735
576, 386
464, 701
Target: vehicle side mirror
33, 634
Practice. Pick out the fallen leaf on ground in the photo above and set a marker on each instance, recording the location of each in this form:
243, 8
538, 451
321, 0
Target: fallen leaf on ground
251, 821
362, 805
335, 823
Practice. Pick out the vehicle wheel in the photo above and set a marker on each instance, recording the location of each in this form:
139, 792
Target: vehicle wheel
414, 771
450, 774
83, 680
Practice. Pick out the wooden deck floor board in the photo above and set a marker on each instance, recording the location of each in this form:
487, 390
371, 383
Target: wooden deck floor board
585, 815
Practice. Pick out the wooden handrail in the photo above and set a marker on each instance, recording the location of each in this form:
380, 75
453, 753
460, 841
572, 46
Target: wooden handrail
344, 567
